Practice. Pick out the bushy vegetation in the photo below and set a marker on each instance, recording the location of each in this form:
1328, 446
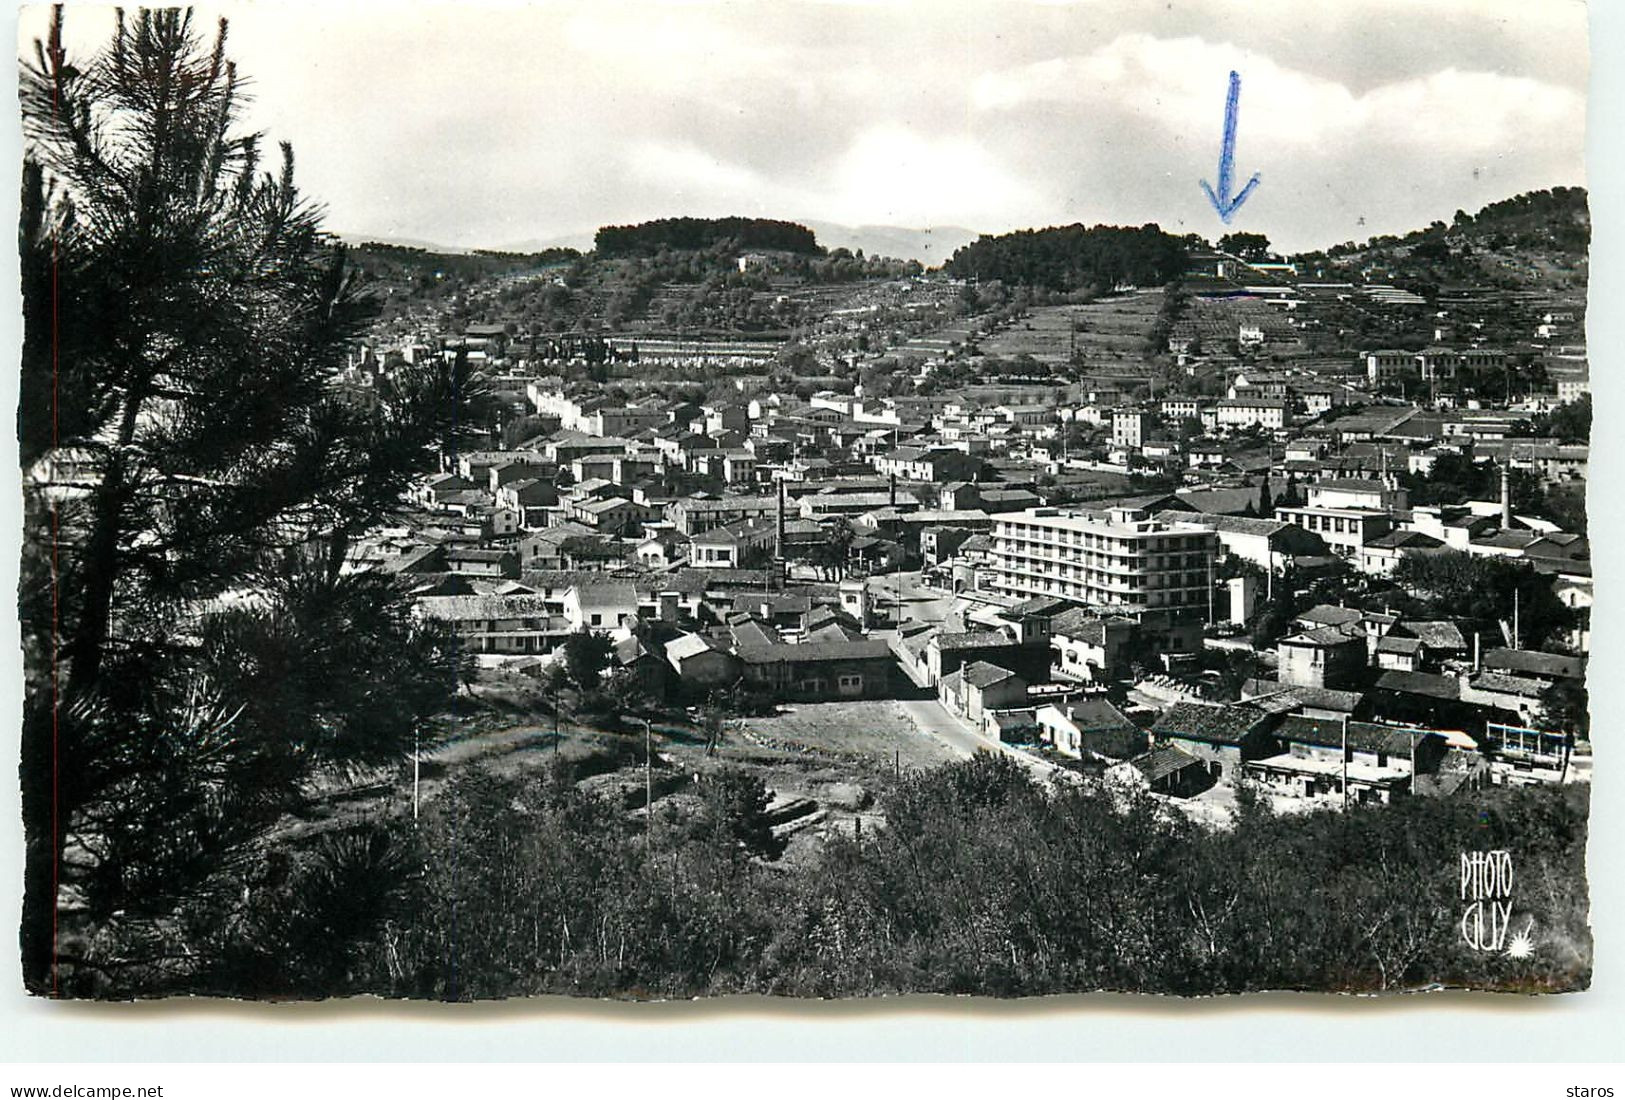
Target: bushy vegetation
981, 882
1568, 423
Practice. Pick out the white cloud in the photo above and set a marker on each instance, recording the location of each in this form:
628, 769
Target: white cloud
1180, 85
520, 120
893, 174
887, 175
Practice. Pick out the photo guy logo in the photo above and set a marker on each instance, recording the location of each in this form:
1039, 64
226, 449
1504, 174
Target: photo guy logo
1486, 885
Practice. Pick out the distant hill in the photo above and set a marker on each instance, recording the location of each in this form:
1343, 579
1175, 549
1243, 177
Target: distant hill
931, 246
403, 275
402, 242
1539, 239
580, 241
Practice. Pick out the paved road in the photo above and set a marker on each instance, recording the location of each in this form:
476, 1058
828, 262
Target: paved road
959, 735
920, 602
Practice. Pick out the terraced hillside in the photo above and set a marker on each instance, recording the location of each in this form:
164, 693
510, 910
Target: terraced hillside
1108, 331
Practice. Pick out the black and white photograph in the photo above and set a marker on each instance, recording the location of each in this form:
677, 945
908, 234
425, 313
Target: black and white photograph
826, 500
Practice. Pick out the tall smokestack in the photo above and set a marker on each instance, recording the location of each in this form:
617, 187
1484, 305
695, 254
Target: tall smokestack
778, 540
1506, 499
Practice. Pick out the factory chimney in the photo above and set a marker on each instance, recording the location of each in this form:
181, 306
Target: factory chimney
779, 567
1506, 499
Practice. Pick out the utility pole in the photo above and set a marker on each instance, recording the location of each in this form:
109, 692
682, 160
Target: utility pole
648, 785
417, 761
1209, 556
1345, 763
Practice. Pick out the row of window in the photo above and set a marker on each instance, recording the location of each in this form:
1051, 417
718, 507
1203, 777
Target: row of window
1060, 536
1139, 563
1173, 597
1078, 592
1342, 525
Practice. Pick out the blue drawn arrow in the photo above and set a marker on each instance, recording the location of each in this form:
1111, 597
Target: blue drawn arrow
1222, 202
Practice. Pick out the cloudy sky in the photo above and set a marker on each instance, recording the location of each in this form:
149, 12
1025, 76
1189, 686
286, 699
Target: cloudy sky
491, 126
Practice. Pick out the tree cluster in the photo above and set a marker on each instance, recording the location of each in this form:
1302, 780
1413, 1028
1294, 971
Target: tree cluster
695, 233
1074, 257
1458, 585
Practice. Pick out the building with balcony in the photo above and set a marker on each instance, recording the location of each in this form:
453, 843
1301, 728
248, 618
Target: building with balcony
1119, 558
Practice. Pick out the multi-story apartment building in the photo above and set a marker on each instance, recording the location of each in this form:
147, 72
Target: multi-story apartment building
1119, 558
1386, 365
1482, 359
1245, 412
1181, 408
695, 516
1130, 427
1439, 362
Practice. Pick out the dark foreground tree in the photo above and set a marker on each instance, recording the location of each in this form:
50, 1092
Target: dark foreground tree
194, 650
737, 801
587, 653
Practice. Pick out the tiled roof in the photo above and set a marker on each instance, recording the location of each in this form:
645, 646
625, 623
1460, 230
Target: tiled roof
1039, 605
1436, 633
1392, 644
605, 593
1221, 501
1505, 683
1531, 662
1236, 525
1162, 761
984, 674
1322, 636
1405, 540
752, 632
973, 639
689, 645
1362, 736
457, 608
1216, 724
868, 649
1270, 694
1327, 615
1420, 683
